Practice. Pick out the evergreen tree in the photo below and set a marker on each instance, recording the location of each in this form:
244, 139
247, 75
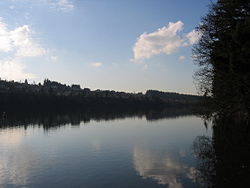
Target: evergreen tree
223, 54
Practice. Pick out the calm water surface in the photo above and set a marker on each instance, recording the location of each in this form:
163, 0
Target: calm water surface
130, 152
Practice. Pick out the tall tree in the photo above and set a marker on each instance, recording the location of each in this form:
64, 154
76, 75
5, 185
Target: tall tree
223, 54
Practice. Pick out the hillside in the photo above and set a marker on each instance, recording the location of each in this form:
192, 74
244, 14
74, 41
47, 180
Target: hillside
57, 94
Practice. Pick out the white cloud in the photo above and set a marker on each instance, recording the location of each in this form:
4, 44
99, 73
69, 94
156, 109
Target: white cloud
19, 41
5, 40
193, 37
64, 5
15, 45
13, 70
181, 58
96, 64
165, 40
26, 47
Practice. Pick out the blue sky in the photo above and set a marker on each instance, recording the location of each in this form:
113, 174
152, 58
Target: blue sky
124, 45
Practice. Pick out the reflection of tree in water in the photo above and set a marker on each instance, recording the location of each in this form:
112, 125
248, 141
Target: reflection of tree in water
52, 118
204, 151
224, 159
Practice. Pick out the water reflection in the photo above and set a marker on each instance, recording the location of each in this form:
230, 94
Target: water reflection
17, 167
130, 152
58, 118
164, 168
224, 158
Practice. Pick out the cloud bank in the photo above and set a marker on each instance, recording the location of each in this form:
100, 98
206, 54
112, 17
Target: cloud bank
19, 41
14, 70
14, 46
165, 40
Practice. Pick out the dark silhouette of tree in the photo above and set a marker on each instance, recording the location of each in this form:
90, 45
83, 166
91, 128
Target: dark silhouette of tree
223, 54
224, 158
53, 117
52, 93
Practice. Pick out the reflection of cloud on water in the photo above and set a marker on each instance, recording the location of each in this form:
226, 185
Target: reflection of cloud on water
164, 169
15, 163
10, 138
15, 170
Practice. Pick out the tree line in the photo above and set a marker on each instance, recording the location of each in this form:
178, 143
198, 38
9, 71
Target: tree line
51, 93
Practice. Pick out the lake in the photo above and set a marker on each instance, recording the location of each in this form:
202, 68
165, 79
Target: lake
129, 151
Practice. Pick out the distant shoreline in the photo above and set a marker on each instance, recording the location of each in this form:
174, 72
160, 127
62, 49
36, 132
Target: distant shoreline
51, 93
